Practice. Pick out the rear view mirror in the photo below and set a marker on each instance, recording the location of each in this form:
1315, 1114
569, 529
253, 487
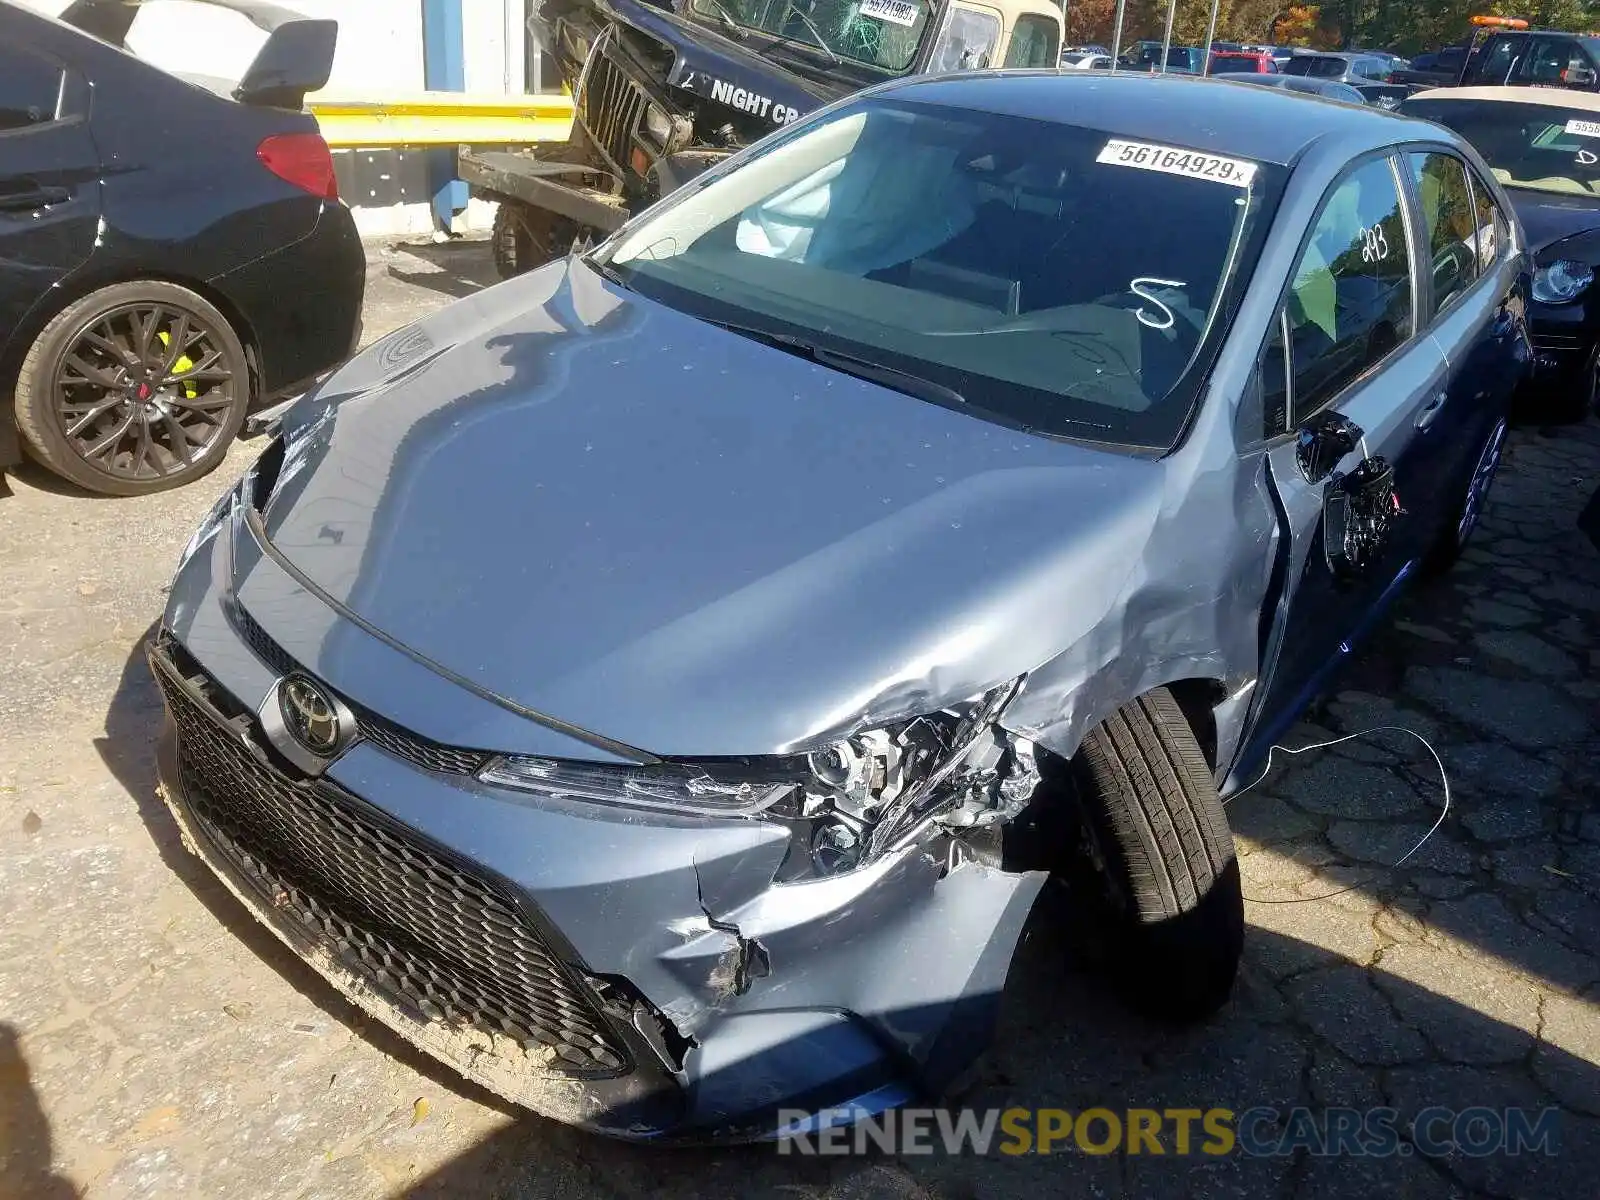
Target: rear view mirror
296, 59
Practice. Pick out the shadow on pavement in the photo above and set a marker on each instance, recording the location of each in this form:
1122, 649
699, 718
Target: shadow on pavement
25, 1147
1063, 1044
459, 268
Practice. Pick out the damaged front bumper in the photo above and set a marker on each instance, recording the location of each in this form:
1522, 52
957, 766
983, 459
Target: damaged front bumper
643, 975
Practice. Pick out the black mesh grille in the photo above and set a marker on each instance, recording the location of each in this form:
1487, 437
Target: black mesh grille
612, 106
430, 756
437, 940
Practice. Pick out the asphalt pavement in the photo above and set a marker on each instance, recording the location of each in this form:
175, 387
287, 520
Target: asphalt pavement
155, 1042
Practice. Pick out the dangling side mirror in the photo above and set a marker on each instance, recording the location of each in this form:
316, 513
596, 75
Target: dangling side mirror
1323, 442
1358, 512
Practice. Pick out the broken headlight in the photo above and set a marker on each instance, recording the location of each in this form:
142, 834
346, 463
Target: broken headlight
854, 799
658, 125
677, 787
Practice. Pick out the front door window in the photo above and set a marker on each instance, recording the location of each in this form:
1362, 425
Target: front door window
967, 41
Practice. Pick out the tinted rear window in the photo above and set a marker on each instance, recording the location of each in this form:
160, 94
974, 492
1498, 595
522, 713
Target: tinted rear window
1541, 148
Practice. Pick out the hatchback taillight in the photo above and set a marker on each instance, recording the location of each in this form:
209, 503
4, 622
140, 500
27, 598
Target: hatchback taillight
302, 159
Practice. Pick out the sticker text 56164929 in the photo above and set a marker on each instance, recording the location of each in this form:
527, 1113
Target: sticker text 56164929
1174, 160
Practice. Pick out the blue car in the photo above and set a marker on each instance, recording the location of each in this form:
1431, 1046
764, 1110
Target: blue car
659, 686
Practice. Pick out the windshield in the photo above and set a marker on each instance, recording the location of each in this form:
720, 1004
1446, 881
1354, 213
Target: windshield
1534, 146
1054, 278
879, 33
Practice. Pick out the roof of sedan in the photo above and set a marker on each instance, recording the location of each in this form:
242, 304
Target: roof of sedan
1545, 96
1215, 115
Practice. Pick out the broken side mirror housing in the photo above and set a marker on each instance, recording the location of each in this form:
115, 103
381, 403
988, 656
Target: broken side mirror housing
1323, 442
1358, 512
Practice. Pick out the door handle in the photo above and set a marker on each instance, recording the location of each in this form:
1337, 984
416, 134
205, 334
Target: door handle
1430, 414
32, 198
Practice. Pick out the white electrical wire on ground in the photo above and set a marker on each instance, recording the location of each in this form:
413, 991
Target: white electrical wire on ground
1444, 811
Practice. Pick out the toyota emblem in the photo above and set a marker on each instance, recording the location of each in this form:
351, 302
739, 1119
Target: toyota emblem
309, 715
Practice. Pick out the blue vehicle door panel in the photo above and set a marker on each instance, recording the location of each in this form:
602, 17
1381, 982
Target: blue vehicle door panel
1323, 616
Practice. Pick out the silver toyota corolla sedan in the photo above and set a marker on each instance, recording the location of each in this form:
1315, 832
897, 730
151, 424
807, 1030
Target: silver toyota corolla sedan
660, 685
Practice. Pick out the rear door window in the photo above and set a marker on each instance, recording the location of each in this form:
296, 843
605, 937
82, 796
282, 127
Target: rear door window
1494, 231
1450, 222
30, 89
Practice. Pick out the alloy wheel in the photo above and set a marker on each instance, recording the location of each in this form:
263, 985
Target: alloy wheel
1482, 479
144, 391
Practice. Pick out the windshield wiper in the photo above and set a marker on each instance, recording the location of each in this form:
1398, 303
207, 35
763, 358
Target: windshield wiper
861, 368
729, 21
815, 32
607, 272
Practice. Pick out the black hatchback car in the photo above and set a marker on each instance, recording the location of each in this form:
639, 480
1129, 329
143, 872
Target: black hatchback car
170, 253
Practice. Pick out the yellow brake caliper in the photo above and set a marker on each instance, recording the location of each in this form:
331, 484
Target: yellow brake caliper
180, 365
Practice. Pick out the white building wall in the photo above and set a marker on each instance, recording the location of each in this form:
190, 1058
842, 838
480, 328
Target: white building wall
379, 51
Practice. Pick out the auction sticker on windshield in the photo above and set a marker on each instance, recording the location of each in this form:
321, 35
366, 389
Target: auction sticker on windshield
896, 12
1584, 128
1174, 160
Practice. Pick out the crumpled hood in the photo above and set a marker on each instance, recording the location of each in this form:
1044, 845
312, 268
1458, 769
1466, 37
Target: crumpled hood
684, 540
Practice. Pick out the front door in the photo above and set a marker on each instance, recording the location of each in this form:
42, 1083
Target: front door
1353, 371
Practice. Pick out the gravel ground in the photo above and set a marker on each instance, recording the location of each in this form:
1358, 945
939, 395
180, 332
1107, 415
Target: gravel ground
154, 1042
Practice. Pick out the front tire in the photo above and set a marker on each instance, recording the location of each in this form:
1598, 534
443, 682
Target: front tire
525, 237
133, 389
1165, 877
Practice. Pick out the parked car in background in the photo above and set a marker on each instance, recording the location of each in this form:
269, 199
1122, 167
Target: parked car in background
1085, 61
1504, 52
1343, 68
1090, 49
1242, 62
169, 254
1182, 60
1367, 73
754, 822
1543, 145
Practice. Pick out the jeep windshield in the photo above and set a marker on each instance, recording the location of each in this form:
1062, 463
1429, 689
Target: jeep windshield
1536, 147
877, 33
1049, 277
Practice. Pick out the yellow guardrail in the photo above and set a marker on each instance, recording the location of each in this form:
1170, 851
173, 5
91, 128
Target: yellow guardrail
441, 119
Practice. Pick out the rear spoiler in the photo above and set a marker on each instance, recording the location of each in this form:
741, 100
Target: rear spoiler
297, 57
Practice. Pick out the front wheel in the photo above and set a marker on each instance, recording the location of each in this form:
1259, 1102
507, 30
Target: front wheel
525, 237
1164, 884
133, 389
